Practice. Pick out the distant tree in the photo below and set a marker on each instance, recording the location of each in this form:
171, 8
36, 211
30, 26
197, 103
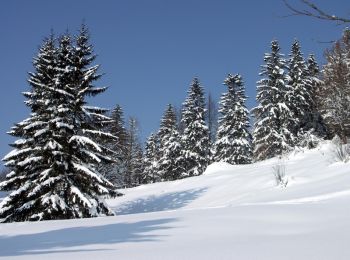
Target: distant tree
151, 159
115, 171
170, 165
233, 142
195, 138
138, 167
313, 125
134, 174
54, 162
211, 118
271, 135
334, 93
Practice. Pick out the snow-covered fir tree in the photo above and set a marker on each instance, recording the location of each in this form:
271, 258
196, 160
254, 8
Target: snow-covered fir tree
272, 135
334, 93
170, 165
233, 143
115, 171
54, 162
151, 158
300, 95
195, 138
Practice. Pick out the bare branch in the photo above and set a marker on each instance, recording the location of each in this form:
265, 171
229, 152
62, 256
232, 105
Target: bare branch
314, 11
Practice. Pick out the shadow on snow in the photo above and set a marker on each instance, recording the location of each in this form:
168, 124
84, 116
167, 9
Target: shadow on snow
167, 201
65, 239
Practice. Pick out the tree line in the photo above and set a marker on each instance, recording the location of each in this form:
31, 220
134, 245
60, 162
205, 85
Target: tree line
69, 156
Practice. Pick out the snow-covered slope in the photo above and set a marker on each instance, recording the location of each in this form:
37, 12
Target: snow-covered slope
230, 212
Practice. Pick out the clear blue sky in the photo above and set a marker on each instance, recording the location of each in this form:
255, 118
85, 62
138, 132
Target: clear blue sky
151, 49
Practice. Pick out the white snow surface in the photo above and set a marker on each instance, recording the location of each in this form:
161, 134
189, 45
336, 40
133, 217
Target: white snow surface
230, 212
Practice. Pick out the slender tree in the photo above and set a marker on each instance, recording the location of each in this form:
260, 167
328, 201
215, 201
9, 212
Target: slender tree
212, 118
314, 122
115, 171
195, 138
300, 95
151, 159
134, 174
233, 142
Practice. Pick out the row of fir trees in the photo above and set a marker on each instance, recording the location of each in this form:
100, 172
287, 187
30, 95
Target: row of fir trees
70, 156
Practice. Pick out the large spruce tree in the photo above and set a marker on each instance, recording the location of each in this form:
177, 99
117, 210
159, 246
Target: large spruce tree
272, 135
195, 138
233, 142
54, 162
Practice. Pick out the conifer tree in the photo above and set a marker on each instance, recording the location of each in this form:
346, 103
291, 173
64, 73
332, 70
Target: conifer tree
151, 159
171, 160
271, 135
300, 95
314, 120
233, 142
138, 167
195, 138
115, 171
54, 162
134, 174
211, 118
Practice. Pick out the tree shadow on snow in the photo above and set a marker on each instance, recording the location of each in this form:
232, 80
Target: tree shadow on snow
66, 239
167, 201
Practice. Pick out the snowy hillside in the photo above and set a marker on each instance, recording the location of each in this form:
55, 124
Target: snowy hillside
230, 212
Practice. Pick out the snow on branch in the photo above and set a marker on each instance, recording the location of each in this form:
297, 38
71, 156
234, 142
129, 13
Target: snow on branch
87, 171
82, 140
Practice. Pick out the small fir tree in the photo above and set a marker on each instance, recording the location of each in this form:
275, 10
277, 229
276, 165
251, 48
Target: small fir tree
115, 171
170, 166
151, 159
134, 173
233, 142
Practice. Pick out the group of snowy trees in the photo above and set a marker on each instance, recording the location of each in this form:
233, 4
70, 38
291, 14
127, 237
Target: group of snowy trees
286, 115
185, 148
69, 156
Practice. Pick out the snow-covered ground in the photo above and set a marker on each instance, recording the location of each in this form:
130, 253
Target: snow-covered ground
230, 212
